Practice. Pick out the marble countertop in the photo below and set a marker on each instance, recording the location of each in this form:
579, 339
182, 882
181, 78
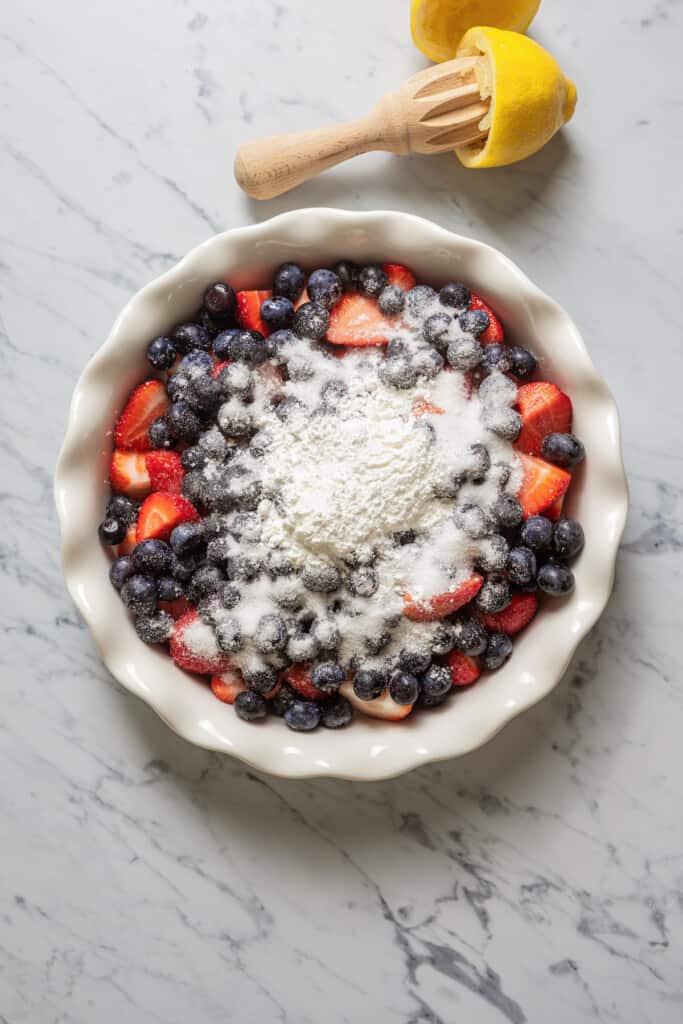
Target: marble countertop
141, 879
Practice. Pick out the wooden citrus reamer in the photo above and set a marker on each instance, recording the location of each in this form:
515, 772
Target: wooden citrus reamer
432, 112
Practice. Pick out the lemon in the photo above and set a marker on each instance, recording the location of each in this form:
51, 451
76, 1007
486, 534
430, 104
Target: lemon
437, 26
530, 96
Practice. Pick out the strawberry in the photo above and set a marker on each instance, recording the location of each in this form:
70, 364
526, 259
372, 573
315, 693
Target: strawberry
161, 512
128, 474
544, 409
432, 608
227, 685
299, 679
165, 471
146, 403
128, 542
193, 647
423, 407
400, 275
356, 321
218, 367
542, 485
494, 331
302, 299
249, 311
381, 707
175, 608
555, 511
515, 617
464, 670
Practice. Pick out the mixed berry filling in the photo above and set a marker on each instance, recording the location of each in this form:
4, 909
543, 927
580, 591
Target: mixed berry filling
340, 494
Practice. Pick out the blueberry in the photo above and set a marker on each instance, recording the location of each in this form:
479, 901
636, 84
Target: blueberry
122, 508
568, 538
555, 579
404, 688
537, 533
160, 435
332, 392
169, 589
321, 579
474, 321
282, 699
498, 650
397, 347
495, 357
219, 549
521, 566
193, 458
391, 300
398, 373
464, 354
139, 593
196, 361
179, 386
153, 557
154, 629
325, 287
229, 635
270, 633
277, 312
494, 595
328, 676
311, 320
376, 642
503, 421
563, 449
508, 512
523, 363
189, 336
347, 271
277, 340
372, 280
369, 683
193, 486
456, 295
260, 677
112, 531
414, 662
363, 582
478, 463
214, 444
428, 362
437, 328
219, 300
470, 636
161, 353
242, 347
336, 712
204, 582
493, 554
303, 647
473, 521
244, 566
327, 635
436, 681
428, 701
443, 639
227, 595
222, 343
183, 567
120, 570
244, 526
205, 396
250, 707
186, 537
418, 298
213, 325
501, 473
289, 281
235, 419
302, 716
182, 422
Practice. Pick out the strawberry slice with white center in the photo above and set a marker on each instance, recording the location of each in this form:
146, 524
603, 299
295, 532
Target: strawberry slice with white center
161, 512
382, 707
429, 609
464, 670
356, 321
193, 647
128, 473
515, 617
249, 311
147, 402
227, 685
542, 485
399, 275
494, 333
165, 471
544, 410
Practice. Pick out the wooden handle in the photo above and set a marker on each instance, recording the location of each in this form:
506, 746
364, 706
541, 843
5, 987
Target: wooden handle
268, 167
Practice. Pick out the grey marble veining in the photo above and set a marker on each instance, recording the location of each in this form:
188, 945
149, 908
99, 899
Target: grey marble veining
141, 879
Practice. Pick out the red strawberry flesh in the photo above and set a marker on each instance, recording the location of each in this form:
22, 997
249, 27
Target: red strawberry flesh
399, 275
430, 609
515, 617
542, 485
494, 332
249, 311
165, 471
464, 670
147, 402
161, 512
357, 322
193, 647
544, 410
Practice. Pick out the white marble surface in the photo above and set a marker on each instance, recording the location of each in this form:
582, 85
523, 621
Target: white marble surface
140, 879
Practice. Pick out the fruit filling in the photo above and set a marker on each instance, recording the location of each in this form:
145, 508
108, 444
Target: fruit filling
341, 494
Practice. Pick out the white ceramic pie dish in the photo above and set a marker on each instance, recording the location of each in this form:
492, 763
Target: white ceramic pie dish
368, 750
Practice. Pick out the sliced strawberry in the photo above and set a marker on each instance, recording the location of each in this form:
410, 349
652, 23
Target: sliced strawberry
165, 471
227, 685
464, 670
193, 647
175, 608
128, 474
400, 275
515, 617
542, 485
555, 510
161, 512
249, 311
494, 331
302, 299
432, 608
357, 321
128, 542
298, 677
381, 707
422, 407
544, 409
146, 403
217, 367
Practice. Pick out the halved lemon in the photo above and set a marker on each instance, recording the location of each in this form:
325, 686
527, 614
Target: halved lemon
437, 26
